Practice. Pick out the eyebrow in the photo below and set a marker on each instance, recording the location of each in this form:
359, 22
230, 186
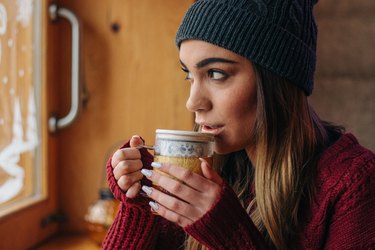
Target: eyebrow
210, 60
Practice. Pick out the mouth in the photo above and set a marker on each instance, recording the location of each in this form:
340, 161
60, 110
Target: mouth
212, 129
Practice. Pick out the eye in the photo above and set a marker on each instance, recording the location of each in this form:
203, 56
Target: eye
189, 75
215, 74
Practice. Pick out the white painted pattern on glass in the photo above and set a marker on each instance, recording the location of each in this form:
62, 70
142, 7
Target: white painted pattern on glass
3, 27
10, 155
3, 19
24, 11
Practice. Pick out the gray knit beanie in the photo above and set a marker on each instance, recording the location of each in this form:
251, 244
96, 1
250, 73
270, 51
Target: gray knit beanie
279, 35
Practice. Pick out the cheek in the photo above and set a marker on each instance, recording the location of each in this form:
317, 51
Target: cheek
249, 113
243, 125
243, 108
240, 120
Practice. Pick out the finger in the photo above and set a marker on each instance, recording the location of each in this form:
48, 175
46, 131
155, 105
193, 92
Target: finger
127, 167
170, 215
126, 181
174, 187
210, 173
194, 180
133, 190
170, 207
125, 154
136, 141
195, 189
117, 157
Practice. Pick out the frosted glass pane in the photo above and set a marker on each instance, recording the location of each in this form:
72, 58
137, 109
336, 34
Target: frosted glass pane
20, 168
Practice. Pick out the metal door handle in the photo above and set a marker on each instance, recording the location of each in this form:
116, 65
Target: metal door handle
55, 123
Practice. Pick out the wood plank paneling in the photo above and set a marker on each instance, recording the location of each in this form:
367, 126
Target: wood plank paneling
135, 84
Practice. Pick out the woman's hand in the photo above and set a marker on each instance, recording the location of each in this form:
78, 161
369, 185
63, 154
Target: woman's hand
189, 200
127, 165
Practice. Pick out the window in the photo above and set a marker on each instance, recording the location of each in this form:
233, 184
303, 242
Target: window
20, 100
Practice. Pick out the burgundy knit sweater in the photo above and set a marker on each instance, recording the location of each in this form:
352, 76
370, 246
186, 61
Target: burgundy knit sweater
342, 214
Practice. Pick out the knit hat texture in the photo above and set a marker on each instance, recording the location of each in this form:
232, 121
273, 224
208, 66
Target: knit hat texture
279, 35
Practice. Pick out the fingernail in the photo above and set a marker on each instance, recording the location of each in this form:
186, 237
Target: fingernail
155, 164
136, 136
146, 172
154, 205
147, 189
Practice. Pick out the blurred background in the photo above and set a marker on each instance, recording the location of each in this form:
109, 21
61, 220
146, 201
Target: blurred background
78, 78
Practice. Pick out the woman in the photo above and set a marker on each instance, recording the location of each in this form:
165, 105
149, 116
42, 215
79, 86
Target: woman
283, 178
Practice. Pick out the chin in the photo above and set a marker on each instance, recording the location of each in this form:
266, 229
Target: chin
223, 150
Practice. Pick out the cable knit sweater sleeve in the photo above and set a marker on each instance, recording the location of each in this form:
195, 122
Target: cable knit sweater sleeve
227, 225
342, 214
135, 227
353, 221
352, 197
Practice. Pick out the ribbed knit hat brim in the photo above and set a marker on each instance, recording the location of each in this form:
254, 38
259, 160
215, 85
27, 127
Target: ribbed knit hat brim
250, 36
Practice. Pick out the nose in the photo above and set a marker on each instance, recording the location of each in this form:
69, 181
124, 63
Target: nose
199, 99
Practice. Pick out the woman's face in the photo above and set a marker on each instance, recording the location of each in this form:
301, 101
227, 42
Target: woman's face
222, 94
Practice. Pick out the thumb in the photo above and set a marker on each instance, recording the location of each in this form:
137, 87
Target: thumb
210, 173
136, 141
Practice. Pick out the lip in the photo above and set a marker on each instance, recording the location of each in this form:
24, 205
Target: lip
212, 129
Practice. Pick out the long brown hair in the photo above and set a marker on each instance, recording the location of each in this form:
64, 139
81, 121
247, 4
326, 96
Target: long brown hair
288, 139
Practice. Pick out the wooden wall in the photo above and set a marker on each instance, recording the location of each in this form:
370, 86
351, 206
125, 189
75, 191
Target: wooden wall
345, 80
131, 70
